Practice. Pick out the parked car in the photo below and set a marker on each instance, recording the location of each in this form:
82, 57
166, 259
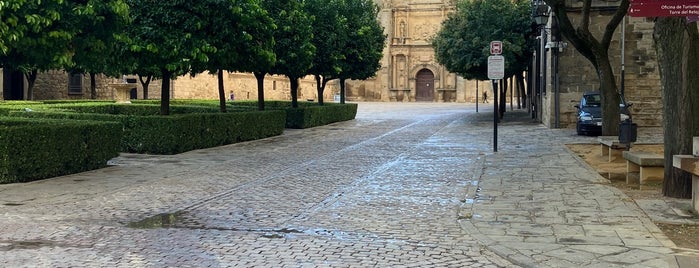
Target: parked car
590, 113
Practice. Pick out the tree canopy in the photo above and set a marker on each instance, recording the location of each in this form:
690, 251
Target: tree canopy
292, 41
365, 42
241, 33
166, 36
45, 35
462, 45
329, 31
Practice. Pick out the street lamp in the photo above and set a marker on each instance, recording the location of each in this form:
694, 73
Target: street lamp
541, 15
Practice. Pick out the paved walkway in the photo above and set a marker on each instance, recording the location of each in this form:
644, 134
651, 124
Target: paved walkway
403, 185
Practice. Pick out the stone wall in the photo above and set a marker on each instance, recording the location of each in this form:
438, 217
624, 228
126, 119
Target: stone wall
244, 86
577, 75
55, 85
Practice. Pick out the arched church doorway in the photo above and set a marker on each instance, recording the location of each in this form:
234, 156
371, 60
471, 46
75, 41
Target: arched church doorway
424, 88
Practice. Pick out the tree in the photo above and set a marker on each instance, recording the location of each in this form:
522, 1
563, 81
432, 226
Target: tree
596, 51
35, 37
329, 28
462, 45
677, 45
241, 32
292, 46
101, 24
365, 41
166, 36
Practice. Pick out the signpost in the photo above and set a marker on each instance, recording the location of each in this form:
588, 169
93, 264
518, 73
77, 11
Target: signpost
496, 71
664, 8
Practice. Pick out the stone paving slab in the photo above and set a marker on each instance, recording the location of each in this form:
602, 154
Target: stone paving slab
403, 185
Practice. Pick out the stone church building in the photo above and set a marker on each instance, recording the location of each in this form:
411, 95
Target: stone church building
409, 72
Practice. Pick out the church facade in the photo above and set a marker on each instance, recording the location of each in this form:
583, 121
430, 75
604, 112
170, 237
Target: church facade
409, 71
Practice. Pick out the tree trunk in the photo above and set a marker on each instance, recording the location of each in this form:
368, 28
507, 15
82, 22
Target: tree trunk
610, 97
530, 91
260, 90
678, 58
93, 86
596, 51
522, 92
145, 85
31, 79
319, 88
221, 92
294, 82
503, 98
342, 91
165, 93
512, 92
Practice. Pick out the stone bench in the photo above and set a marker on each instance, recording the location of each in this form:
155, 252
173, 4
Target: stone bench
648, 166
690, 163
611, 147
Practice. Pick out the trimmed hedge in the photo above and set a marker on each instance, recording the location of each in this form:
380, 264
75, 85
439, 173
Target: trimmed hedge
312, 116
32, 149
180, 133
175, 133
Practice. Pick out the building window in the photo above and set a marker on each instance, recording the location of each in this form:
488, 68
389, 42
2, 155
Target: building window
75, 83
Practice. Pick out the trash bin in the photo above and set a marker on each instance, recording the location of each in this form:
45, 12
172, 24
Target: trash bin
627, 131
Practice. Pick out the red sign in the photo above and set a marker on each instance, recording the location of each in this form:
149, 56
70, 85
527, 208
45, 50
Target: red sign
667, 8
496, 47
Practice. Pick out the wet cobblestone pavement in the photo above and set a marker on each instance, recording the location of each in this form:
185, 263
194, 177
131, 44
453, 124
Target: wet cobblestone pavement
403, 185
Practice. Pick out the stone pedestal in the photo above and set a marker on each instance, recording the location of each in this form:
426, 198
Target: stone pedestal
122, 92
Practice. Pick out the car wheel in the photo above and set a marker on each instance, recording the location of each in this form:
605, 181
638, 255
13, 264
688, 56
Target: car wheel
577, 129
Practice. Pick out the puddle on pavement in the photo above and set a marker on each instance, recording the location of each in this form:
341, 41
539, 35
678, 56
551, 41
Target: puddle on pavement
27, 244
568, 240
164, 220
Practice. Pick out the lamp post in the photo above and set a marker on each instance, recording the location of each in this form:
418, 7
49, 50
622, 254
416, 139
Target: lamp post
540, 14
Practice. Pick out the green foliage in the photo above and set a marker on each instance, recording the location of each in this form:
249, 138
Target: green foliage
312, 116
101, 25
32, 149
463, 43
190, 127
241, 31
133, 109
364, 40
329, 31
164, 39
292, 37
180, 133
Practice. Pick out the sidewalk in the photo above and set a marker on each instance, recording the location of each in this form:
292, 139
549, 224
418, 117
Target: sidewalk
539, 205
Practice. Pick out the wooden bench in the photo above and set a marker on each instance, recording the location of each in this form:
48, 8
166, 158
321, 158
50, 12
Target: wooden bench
611, 147
648, 166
